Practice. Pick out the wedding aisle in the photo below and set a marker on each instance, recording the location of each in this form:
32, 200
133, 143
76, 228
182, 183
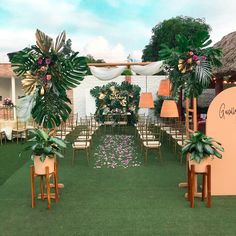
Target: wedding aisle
117, 151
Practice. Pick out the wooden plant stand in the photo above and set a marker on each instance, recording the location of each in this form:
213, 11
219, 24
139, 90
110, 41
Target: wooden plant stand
44, 181
206, 185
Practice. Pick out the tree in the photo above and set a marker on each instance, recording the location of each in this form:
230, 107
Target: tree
166, 31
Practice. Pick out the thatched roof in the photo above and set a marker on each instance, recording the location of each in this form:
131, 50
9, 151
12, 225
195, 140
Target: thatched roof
6, 70
228, 45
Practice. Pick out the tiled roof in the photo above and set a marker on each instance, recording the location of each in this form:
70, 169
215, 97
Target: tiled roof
6, 70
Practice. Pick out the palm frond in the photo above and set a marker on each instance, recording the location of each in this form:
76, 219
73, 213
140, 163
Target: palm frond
203, 73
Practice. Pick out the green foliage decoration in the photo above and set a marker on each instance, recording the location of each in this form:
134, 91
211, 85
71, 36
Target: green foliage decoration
114, 98
48, 69
190, 63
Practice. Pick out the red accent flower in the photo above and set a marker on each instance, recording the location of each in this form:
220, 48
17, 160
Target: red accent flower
40, 61
195, 57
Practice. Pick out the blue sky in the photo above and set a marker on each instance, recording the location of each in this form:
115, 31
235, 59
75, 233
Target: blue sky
109, 29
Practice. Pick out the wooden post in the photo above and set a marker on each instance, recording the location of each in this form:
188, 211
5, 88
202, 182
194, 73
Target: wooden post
180, 105
42, 187
32, 187
192, 185
208, 186
56, 182
48, 186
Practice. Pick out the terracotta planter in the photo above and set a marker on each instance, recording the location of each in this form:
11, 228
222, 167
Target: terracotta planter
39, 166
200, 167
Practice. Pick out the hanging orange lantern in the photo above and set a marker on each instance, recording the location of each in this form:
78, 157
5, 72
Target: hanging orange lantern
146, 100
169, 109
164, 88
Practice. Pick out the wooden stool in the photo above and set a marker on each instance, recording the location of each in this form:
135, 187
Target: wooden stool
206, 185
47, 176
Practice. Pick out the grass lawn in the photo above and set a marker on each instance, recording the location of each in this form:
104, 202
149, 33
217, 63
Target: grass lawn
140, 200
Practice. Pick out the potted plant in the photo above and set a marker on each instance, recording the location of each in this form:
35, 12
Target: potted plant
44, 148
199, 148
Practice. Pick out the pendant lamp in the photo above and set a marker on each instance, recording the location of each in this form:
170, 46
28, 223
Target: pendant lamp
146, 99
164, 88
169, 109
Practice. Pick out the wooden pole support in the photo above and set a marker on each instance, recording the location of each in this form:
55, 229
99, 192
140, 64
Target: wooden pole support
32, 186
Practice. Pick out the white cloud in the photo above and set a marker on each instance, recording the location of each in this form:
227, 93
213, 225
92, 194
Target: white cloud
52, 15
112, 40
100, 48
15, 40
136, 55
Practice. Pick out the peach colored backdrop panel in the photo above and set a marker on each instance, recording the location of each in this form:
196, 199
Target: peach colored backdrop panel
221, 125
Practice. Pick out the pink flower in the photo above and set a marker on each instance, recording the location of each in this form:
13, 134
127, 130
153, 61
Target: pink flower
40, 61
43, 68
195, 57
126, 162
189, 60
190, 53
204, 58
48, 77
47, 61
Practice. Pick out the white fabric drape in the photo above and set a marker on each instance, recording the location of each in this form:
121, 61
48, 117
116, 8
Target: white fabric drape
104, 73
149, 69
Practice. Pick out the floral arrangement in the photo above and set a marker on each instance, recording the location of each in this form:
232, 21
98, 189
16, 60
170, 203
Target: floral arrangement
7, 102
115, 98
191, 60
47, 69
190, 64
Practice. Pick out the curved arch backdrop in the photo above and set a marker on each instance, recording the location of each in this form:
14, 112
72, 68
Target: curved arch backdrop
221, 125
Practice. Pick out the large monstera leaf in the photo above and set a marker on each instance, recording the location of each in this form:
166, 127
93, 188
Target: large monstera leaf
23, 61
51, 109
71, 71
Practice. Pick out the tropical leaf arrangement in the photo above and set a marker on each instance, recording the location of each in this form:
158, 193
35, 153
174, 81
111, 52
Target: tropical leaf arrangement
200, 146
190, 64
47, 69
114, 98
44, 144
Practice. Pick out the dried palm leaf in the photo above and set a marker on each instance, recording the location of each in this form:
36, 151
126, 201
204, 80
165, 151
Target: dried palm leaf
43, 41
29, 83
60, 41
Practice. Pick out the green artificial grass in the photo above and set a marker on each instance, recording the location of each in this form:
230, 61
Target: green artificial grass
141, 200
